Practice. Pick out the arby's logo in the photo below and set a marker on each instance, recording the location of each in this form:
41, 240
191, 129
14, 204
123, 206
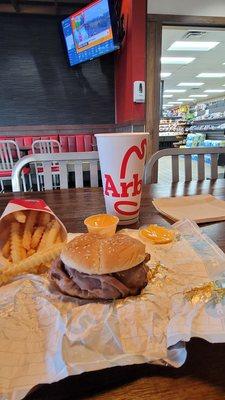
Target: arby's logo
127, 188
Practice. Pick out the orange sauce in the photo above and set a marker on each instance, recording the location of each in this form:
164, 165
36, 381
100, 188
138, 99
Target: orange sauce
157, 234
102, 224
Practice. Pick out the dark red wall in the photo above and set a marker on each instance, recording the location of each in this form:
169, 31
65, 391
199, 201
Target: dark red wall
130, 62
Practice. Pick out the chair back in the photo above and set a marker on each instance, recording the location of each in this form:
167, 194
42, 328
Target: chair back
151, 168
9, 154
67, 162
46, 146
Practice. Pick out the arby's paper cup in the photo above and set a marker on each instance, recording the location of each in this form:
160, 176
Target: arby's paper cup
122, 158
25, 205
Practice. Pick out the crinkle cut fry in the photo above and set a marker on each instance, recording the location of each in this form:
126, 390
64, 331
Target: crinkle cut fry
6, 249
44, 218
15, 242
20, 217
30, 264
4, 262
28, 229
37, 235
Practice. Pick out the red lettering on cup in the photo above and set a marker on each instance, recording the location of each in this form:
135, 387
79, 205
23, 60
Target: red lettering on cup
125, 186
137, 185
134, 186
118, 209
110, 186
134, 149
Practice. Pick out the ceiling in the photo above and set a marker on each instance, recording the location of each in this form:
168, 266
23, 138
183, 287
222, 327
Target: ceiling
205, 61
49, 7
190, 7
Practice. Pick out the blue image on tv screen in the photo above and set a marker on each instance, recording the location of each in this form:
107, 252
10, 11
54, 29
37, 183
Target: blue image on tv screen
88, 33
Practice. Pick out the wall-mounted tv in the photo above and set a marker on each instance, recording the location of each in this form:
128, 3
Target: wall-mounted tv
91, 32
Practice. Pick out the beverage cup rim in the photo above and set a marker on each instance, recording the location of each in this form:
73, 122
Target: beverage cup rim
121, 134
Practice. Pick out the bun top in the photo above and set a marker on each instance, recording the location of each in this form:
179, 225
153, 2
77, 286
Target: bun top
94, 254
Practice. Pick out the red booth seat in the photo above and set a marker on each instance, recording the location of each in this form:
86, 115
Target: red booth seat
69, 143
78, 143
72, 146
51, 137
54, 168
63, 140
26, 141
6, 174
88, 141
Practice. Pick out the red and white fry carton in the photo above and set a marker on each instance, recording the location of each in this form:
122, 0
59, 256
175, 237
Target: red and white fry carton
19, 204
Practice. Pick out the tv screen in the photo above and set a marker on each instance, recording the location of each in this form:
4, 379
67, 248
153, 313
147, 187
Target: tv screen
89, 33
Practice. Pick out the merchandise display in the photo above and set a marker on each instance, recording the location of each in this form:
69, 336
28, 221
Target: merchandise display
205, 129
172, 131
169, 127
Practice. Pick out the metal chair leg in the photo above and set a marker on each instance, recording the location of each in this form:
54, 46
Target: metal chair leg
2, 186
38, 181
54, 181
30, 183
24, 183
42, 182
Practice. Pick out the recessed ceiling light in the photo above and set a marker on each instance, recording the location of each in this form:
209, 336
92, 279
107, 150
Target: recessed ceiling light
214, 91
185, 99
192, 84
175, 90
211, 75
165, 74
168, 96
198, 95
177, 60
193, 46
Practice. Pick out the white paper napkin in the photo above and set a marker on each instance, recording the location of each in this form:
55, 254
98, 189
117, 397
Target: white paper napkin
200, 208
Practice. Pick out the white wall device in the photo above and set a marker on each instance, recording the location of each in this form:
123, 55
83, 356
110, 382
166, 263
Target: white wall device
139, 92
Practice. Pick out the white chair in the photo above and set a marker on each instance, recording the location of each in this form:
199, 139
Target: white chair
76, 161
9, 154
151, 168
48, 146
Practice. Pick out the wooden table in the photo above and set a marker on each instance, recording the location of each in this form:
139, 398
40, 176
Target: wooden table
202, 376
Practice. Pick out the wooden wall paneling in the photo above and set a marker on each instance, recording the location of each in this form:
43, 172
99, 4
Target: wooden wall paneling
50, 7
154, 44
42, 130
187, 20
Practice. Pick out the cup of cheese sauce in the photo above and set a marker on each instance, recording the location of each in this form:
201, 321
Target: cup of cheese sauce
102, 224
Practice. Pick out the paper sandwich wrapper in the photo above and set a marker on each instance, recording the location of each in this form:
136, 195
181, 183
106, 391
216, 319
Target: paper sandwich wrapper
19, 204
199, 208
47, 336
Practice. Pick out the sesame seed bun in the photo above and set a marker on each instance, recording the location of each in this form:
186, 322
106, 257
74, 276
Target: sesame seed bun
94, 254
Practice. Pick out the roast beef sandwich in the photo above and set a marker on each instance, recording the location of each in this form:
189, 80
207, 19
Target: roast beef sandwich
95, 267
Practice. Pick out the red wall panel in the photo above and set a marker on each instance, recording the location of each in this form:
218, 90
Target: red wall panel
130, 62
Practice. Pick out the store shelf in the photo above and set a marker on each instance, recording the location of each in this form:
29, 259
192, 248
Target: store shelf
172, 130
206, 131
213, 120
170, 138
168, 133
